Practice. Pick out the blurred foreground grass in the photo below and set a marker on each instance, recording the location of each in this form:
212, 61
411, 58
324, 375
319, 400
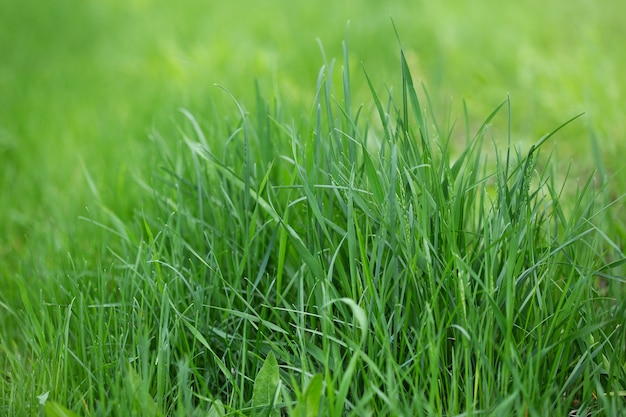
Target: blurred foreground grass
84, 83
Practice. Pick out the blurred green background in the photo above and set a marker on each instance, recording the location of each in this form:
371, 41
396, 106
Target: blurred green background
83, 83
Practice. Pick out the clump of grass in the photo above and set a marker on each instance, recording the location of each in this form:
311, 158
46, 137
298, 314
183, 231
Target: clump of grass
344, 265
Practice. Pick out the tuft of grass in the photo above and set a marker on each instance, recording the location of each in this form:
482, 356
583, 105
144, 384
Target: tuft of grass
337, 265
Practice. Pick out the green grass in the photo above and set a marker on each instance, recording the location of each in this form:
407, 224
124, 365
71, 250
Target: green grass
359, 254
86, 83
344, 245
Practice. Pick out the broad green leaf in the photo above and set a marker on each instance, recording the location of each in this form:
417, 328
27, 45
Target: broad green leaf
54, 409
265, 391
142, 399
217, 409
309, 404
43, 397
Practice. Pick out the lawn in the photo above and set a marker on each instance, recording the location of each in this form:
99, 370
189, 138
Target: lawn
362, 208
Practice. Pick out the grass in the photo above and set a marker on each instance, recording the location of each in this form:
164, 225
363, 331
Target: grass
340, 265
382, 253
